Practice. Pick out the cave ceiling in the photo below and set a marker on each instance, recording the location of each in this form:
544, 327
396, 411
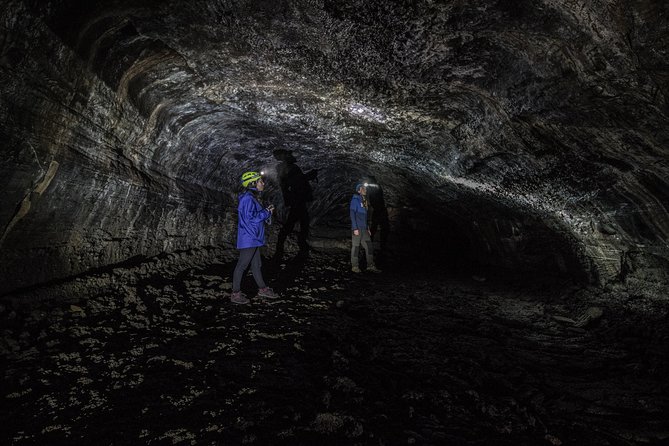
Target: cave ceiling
510, 99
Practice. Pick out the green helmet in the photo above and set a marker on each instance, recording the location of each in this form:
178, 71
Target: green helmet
250, 177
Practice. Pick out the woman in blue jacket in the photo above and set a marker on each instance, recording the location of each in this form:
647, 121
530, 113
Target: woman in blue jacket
250, 237
361, 234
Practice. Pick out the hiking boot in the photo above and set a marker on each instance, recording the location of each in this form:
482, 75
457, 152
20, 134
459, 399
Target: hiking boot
238, 298
373, 269
268, 293
355, 269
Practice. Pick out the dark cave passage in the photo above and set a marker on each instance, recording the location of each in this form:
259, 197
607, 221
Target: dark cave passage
521, 151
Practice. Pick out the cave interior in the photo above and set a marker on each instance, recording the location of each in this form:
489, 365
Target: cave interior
522, 151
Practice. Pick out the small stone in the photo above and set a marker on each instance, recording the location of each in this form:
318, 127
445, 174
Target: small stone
553, 440
589, 316
37, 315
328, 422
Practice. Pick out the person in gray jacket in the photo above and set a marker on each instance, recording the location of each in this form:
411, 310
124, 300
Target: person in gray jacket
361, 233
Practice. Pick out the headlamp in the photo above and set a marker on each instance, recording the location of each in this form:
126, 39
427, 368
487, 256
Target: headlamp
370, 185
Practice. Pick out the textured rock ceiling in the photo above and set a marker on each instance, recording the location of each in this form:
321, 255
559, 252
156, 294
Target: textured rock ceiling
535, 131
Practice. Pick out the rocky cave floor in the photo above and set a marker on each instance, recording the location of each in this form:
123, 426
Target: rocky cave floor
153, 352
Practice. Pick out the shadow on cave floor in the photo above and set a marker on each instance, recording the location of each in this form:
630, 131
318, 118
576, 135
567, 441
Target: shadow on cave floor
157, 354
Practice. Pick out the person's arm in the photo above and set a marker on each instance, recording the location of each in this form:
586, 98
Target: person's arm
353, 210
251, 211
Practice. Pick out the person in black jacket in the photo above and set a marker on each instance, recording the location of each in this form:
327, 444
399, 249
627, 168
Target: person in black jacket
297, 193
380, 223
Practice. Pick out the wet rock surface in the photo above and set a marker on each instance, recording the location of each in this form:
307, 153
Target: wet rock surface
154, 353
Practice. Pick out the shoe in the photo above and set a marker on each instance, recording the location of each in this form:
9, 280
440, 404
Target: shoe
238, 298
355, 269
373, 269
268, 293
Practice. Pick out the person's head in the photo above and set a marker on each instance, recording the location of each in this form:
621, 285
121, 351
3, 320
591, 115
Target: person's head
370, 182
253, 180
361, 189
284, 155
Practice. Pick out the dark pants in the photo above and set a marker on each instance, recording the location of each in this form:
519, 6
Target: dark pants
246, 256
366, 242
296, 214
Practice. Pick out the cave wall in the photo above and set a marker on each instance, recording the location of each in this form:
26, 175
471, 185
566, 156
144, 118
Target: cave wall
80, 189
126, 124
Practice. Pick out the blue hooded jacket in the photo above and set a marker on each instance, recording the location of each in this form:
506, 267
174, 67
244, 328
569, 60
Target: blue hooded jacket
251, 221
358, 213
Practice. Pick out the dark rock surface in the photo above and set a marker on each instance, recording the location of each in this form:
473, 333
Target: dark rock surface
156, 354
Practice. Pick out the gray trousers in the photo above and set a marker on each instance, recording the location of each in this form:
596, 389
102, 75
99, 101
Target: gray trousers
246, 256
365, 240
